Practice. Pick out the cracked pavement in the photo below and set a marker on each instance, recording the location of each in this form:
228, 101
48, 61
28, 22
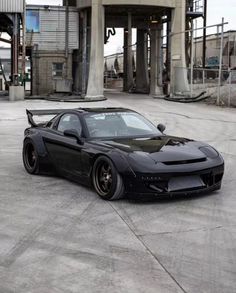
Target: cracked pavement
57, 236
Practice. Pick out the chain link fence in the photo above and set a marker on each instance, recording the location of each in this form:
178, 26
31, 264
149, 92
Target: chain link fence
208, 80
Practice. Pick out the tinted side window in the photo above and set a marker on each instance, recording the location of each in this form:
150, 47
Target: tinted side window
69, 121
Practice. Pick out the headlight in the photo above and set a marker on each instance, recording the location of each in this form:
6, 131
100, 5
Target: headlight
209, 152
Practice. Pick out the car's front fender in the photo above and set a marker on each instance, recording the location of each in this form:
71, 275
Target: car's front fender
121, 163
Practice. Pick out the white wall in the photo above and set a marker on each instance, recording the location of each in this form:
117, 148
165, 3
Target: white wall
52, 28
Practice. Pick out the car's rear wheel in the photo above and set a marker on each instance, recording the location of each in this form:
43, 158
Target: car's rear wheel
106, 180
30, 157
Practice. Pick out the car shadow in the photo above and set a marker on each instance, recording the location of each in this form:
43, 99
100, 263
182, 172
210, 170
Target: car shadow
167, 200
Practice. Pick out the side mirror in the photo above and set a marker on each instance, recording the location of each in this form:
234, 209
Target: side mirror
161, 128
73, 133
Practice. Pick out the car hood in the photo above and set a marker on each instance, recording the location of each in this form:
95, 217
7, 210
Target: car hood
158, 149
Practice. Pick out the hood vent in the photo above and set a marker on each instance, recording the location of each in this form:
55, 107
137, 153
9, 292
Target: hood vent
183, 162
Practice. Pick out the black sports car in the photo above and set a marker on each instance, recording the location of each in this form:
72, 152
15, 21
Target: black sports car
119, 152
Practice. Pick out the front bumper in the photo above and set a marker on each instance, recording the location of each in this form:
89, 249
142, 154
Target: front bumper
157, 184
166, 195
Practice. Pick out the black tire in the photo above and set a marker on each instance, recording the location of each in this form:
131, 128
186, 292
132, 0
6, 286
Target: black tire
106, 180
30, 157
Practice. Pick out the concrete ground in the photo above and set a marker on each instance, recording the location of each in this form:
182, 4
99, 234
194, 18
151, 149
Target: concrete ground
59, 237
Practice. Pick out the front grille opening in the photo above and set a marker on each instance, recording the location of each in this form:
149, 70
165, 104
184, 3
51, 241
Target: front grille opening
183, 162
208, 179
162, 185
211, 179
158, 186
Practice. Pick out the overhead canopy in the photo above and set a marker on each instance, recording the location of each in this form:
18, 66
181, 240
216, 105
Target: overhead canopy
116, 16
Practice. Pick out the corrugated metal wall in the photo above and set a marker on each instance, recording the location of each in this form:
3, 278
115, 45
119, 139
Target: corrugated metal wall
52, 29
12, 6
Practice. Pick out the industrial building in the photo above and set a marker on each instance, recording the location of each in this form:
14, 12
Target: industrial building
52, 41
213, 44
148, 17
65, 44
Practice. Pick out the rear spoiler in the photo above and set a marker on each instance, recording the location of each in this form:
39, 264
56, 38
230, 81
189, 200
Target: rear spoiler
31, 113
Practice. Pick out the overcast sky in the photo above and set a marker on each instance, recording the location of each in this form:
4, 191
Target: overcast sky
216, 10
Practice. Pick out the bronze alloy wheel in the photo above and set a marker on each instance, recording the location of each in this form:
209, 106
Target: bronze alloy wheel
106, 180
103, 178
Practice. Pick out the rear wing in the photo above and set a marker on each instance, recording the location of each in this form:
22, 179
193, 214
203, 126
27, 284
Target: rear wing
31, 113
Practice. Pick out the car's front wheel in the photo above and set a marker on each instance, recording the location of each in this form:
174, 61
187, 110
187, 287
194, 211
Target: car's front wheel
30, 157
106, 180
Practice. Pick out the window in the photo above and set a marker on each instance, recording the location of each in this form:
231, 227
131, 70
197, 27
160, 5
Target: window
57, 69
69, 121
32, 21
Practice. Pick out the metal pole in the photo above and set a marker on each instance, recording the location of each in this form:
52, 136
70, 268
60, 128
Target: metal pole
228, 50
36, 50
204, 35
192, 61
234, 51
203, 77
230, 83
67, 36
15, 49
221, 57
23, 45
218, 37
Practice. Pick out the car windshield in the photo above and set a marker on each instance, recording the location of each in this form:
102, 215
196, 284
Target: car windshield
119, 124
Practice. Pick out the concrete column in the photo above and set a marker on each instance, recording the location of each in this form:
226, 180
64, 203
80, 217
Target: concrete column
130, 76
168, 51
125, 87
156, 63
128, 56
95, 87
142, 79
179, 81
160, 60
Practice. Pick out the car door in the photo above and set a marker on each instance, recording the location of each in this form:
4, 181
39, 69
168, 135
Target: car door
64, 151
